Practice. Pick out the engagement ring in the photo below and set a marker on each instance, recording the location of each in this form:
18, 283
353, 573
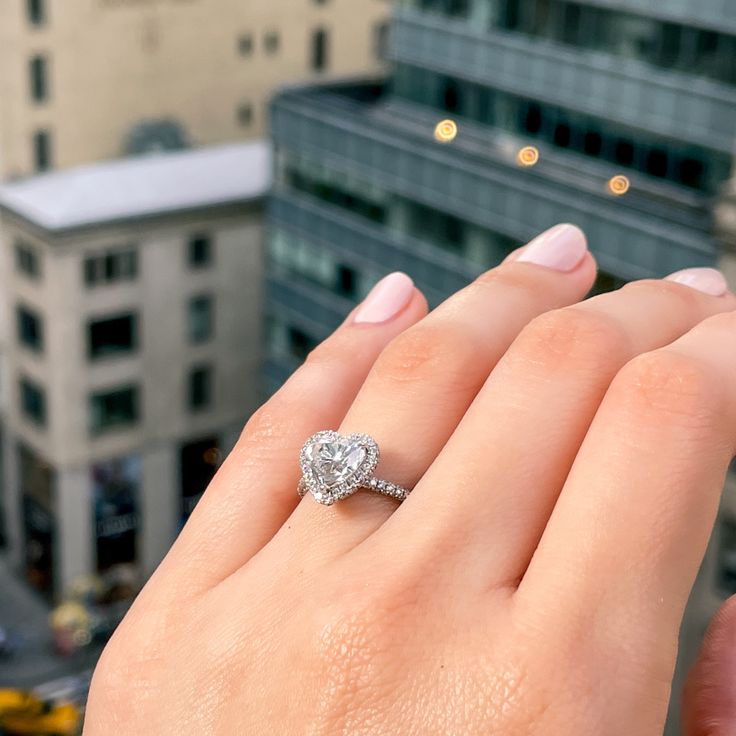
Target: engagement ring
334, 467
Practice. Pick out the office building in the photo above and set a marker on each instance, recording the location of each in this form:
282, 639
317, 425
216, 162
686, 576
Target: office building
131, 303
617, 116
88, 81
499, 119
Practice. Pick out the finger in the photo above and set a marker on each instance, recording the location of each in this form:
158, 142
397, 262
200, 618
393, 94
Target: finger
425, 380
515, 446
255, 490
631, 526
709, 700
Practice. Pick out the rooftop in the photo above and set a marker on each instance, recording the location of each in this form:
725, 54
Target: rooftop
144, 186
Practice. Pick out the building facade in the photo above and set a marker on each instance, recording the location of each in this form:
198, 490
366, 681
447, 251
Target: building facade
86, 80
131, 302
501, 118
613, 115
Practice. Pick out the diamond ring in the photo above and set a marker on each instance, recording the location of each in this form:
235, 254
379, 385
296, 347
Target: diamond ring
334, 467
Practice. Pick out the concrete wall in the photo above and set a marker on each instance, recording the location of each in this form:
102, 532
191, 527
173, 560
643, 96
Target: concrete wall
115, 63
160, 366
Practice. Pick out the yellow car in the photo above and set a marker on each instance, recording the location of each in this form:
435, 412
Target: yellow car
23, 714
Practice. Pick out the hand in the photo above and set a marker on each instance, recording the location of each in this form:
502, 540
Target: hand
566, 462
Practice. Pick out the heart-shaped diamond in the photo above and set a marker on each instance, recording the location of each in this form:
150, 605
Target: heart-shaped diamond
334, 466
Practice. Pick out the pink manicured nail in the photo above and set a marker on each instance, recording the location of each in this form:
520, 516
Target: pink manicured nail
561, 248
707, 280
387, 298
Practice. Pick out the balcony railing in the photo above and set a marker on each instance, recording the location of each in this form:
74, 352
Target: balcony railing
631, 237
317, 311
362, 244
666, 103
718, 15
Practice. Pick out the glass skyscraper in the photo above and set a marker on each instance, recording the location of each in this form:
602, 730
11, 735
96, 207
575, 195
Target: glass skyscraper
630, 106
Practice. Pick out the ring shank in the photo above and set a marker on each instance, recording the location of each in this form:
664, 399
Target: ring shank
384, 487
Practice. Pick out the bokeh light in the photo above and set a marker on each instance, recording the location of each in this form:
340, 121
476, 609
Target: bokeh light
445, 131
528, 156
619, 185
212, 456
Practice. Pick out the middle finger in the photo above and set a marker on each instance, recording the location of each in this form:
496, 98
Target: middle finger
510, 455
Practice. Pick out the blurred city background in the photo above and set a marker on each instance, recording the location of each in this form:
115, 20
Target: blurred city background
193, 194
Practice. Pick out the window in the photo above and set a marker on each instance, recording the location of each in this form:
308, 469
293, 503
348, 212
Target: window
39, 78
593, 145
42, 153
32, 401
245, 115
200, 387
200, 319
691, 172
271, 42
114, 409
533, 118
347, 281
562, 135
27, 260
111, 267
451, 99
727, 556
624, 152
200, 251
380, 40
36, 11
320, 49
300, 343
657, 162
245, 44
30, 328
112, 336
198, 464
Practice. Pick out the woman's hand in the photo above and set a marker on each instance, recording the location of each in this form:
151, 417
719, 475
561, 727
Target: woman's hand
566, 462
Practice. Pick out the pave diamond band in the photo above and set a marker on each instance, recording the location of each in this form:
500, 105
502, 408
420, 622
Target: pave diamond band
335, 467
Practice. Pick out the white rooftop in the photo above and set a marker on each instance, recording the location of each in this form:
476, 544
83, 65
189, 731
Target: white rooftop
141, 186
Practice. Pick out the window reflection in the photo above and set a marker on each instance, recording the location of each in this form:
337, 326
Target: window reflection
666, 45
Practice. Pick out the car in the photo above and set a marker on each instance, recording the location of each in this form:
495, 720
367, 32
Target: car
25, 714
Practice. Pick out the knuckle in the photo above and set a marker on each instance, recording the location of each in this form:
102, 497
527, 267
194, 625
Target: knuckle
676, 292
352, 642
424, 353
572, 338
520, 280
667, 384
324, 353
263, 434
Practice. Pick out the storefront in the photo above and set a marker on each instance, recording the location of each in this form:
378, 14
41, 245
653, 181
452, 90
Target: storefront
199, 461
116, 488
39, 519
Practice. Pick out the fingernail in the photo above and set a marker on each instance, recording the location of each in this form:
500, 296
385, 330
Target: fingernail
708, 280
387, 298
561, 248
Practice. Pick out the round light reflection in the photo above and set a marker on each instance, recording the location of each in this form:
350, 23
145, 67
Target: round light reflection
445, 131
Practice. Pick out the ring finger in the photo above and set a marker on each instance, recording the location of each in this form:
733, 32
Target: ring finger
425, 380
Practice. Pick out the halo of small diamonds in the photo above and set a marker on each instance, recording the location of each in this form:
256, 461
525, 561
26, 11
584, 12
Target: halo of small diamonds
335, 467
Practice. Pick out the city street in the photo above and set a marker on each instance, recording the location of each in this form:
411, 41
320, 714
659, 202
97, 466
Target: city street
24, 614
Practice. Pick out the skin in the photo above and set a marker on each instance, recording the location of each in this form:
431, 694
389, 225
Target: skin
566, 458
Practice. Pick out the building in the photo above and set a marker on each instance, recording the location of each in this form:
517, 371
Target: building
84, 82
605, 114
130, 297
501, 118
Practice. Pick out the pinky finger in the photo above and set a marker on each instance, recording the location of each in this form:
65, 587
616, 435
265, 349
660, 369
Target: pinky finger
709, 700
255, 490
